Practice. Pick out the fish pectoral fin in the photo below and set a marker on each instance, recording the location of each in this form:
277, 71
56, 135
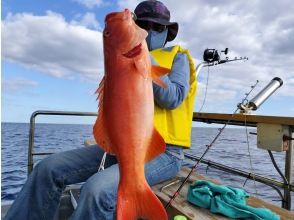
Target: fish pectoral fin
156, 73
156, 146
159, 82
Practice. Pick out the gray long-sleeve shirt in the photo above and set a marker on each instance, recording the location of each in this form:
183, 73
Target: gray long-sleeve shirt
177, 82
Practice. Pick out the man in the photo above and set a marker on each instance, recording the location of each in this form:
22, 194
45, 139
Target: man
40, 196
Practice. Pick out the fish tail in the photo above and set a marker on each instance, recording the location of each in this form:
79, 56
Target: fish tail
139, 203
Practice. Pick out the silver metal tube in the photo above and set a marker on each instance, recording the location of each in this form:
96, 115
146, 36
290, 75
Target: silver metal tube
266, 92
31, 143
199, 67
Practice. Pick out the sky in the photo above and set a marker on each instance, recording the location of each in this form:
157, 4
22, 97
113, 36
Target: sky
52, 56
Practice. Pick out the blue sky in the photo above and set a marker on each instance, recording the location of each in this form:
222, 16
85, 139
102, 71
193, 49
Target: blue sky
52, 56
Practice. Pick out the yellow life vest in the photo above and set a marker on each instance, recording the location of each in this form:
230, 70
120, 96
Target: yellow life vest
175, 125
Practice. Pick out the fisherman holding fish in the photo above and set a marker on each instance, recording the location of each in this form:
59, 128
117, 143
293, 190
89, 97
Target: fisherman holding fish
144, 122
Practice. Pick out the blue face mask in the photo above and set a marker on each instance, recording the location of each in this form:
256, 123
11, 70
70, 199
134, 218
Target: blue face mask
156, 39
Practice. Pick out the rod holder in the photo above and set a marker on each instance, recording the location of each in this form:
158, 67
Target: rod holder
263, 95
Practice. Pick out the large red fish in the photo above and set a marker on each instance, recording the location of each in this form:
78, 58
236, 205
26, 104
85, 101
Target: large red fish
124, 125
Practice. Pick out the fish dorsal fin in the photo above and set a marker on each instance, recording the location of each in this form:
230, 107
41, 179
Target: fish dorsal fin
100, 90
156, 73
156, 146
99, 129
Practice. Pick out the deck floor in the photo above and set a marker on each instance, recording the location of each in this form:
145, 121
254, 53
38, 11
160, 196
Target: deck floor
181, 206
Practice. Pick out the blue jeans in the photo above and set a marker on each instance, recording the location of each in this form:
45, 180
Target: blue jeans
40, 196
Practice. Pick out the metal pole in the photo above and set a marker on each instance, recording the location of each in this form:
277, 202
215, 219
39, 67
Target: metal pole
261, 179
199, 67
31, 143
288, 169
32, 131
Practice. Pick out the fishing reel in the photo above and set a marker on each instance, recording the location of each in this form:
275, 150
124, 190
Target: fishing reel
212, 57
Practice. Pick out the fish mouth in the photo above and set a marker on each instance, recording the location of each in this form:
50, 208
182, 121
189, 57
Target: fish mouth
134, 52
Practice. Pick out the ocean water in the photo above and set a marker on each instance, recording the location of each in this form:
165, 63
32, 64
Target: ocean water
231, 149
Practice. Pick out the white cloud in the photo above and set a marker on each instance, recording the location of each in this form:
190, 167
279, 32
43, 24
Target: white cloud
51, 45
256, 29
87, 20
17, 84
248, 29
260, 30
90, 3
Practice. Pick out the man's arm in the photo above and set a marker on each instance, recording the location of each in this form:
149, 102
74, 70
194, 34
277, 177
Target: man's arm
177, 82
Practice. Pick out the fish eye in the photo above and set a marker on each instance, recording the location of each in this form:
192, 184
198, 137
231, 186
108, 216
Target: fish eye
106, 33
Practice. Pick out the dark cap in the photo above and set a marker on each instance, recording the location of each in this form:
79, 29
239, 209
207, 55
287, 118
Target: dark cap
157, 12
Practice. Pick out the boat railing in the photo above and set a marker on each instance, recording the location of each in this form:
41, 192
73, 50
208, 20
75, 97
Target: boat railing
253, 121
236, 119
31, 152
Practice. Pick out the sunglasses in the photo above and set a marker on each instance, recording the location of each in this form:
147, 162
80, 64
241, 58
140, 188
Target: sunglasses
149, 25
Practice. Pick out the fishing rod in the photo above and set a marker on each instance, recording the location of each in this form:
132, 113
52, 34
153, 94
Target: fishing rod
212, 58
207, 148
